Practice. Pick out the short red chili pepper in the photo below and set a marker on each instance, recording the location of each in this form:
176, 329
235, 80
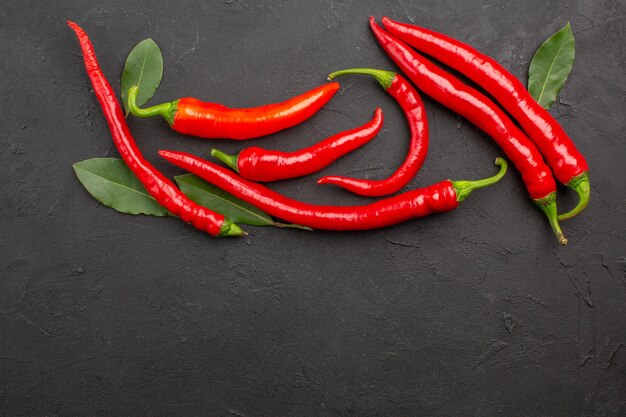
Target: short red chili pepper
190, 116
484, 113
404, 93
443, 196
159, 187
260, 164
567, 163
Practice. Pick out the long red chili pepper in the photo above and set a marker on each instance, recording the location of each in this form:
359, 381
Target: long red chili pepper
440, 197
404, 93
159, 187
211, 120
260, 164
484, 113
567, 163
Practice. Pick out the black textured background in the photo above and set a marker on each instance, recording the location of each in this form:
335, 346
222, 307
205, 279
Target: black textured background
475, 312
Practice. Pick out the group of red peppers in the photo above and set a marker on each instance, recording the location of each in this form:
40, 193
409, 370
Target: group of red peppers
540, 137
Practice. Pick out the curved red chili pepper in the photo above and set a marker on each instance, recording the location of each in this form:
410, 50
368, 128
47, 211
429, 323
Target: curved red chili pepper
440, 197
260, 164
567, 163
190, 116
404, 93
484, 113
159, 187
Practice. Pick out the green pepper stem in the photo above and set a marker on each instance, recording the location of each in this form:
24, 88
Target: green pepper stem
464, 188
580, 184
385, 78
548, 205
166, 110
230, 160
231, 229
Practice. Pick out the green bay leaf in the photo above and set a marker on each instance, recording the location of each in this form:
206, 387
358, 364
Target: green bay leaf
112, 183
144, 68
220, 201
551, 66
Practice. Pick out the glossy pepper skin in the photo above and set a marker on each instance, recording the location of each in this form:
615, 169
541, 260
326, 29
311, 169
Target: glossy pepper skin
485, 114
408, 98
568, 164
440, 197
264, 165
190, 116
159, 187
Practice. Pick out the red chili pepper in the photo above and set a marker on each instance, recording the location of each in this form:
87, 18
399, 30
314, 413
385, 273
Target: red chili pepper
159, 187
404, 93
260, 164
484, 113
440, 197
567, 163
190, 116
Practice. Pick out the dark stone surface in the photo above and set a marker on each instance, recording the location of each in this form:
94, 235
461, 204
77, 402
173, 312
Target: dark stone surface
475, 312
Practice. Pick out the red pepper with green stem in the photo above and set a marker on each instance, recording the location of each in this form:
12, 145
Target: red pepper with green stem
404, 93
484, 113
567, 163
259, 164
443, 196
190, 116
159, 187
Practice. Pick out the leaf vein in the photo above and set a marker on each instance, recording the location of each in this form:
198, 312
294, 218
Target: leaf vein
146, 194
231, 203
545, 82
143, 66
